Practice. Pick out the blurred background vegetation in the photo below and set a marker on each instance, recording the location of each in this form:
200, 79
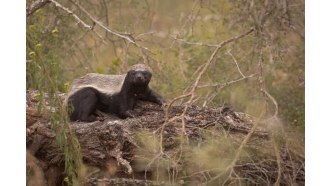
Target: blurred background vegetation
60, 48
69, 50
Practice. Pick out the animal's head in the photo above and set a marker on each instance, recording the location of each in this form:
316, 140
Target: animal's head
139, 74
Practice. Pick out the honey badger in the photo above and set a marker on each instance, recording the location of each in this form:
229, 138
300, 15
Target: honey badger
110, 93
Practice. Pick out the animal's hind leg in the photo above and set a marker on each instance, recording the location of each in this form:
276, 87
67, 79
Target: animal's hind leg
84, 105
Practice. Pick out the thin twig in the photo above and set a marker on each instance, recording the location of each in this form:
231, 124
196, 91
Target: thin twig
226, 83
274, 102
274, 117
194, 43
57, 4
203, 70
35, 5
126, 37
235, 61
239, 151
278, 161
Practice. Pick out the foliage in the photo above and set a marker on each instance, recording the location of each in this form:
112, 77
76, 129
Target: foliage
60, 49
45, 74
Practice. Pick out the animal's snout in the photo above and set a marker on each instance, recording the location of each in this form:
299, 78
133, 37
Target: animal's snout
139, 78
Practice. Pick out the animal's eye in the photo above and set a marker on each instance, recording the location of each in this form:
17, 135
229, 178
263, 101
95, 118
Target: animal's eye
132, 72
146, 74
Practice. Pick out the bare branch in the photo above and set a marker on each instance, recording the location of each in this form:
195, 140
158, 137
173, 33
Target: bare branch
195, 85
57, 4
219, 46
226, 83
235, 61
238, 152
214, 45
263, 88
194, 43
272, 118
278, 161
191, 17
35, 5
126, 37
143, 34
274, 102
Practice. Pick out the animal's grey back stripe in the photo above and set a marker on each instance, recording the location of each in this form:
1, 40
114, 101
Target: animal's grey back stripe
108, 84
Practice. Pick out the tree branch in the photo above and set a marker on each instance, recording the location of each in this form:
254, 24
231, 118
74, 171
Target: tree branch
57, 4
35, 5
126, 37
208, 62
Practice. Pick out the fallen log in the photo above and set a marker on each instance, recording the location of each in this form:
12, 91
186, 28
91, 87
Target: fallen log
111, 145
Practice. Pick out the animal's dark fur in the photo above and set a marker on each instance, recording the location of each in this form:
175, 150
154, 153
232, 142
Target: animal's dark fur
111, 94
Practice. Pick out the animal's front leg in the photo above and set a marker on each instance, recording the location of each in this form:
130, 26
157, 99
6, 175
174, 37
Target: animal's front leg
126, 109
128, 114
154, 97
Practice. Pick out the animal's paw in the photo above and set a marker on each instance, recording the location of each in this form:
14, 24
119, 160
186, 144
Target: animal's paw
164, 105
100, 118
161, 101
132, 113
